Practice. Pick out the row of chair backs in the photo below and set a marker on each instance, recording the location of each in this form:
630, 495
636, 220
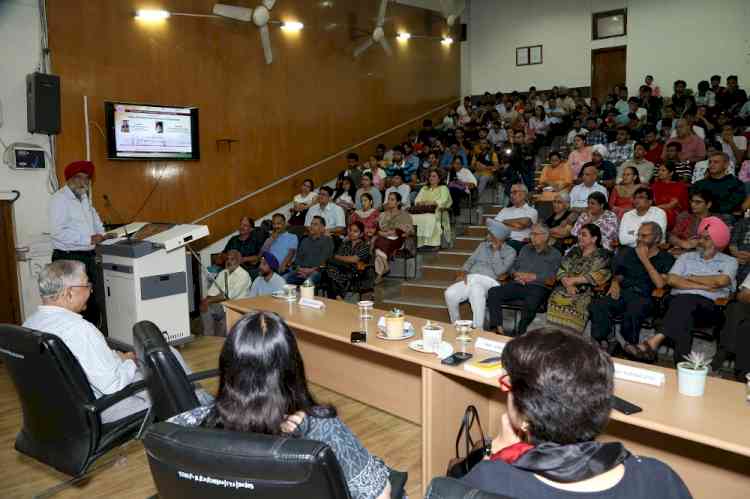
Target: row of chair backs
54, 392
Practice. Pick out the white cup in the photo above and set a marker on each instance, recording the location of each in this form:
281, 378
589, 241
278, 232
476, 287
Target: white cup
432, 337
307, 292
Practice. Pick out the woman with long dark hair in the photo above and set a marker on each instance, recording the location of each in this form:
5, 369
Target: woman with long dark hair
263, 389
341, 272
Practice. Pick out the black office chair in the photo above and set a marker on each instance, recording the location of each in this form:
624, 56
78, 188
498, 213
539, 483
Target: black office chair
172, 391
450, 488
62, 425
194, 462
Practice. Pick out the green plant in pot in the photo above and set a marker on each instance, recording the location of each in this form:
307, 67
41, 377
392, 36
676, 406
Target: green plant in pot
692, 374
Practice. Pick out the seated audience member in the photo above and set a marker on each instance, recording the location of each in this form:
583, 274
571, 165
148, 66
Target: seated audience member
400, 165
733, 146
727, 190
281, 243
366, 187
345, 194
705, 96
739, 247
333, 214
598, 213
263, 389
377, 171
636, 272
621, 199
485, 164
683, 170
480, 272
302, 202
398, 185
232, 283
698, 130
313, 251
576, 131
654, 148
670, 194
692, 147
453, 152
557, 175
561, 221
606, 172
643, 211
684, 236
735, 335
621, 149
341, 268
431, 227
518, 217
498, 136
583, 268
579, 156
65, 288
595, 136
412, 162
248, 242
460, 183
395, 225
702, 127
540, 123
536, 264
697, 279
368, 216
743, 172
560, 388
701, 167
733, 97
579, 195
645, 168
268, 280
353, 170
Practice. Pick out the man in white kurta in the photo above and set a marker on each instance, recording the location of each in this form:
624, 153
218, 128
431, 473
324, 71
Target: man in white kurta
65, 288
231, 283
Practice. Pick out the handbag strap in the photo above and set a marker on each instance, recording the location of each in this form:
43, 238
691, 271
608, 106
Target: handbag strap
467, 422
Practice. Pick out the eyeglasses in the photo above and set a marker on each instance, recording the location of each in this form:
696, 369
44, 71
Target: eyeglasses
696, 201
505, 385
88, 285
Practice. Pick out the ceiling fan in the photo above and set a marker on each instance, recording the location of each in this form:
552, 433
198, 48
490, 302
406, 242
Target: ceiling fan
452, 10
378, 34
260, 16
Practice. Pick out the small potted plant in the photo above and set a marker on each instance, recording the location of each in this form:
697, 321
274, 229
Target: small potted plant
692, 373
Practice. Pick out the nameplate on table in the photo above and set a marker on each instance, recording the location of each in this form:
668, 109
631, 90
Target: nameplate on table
490, 345
311, 303
638, 375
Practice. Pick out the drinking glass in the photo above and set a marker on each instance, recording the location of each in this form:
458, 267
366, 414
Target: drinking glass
463, 328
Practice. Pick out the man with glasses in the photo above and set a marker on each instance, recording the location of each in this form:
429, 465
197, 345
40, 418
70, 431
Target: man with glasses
536, 264
636, 273
519, 217
65, 288
643, 211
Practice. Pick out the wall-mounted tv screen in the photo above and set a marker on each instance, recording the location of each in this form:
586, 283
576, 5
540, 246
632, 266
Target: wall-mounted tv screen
151, 132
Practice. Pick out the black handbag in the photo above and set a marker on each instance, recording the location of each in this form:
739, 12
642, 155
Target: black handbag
475, 451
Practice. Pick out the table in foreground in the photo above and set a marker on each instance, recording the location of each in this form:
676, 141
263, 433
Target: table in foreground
705, 439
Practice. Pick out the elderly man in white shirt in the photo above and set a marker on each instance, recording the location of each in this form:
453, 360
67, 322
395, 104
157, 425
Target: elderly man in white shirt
75, 226
519, 217
579, 195
231, 283
330, 212
65, 288
644, 211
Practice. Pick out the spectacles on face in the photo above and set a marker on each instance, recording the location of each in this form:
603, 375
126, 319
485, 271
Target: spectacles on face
697, 201
505, 385
87, 285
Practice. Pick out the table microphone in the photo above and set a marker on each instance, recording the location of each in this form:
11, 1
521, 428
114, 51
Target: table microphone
112, 207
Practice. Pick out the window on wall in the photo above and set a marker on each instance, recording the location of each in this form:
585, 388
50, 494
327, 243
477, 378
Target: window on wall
610, 24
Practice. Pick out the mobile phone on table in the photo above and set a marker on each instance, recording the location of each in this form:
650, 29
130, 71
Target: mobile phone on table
624, 406
359, 337
456, 359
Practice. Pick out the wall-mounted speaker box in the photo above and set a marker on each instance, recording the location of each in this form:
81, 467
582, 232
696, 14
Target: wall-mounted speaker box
43, 103
464, 32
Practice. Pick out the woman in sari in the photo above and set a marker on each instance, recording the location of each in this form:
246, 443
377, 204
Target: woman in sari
395, 226
341, 270
431, 226
598, 213
368, 216
557, 175
584, 268
669, 194
621, 199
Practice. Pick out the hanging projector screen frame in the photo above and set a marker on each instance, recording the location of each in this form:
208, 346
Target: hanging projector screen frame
115, 151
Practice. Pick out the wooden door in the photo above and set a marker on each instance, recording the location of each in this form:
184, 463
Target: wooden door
10, 308
607, 70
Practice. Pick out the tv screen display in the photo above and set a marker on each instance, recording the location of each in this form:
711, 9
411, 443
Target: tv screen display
150, 132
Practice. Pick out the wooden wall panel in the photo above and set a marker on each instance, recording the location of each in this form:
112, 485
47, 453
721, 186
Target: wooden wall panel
314, 100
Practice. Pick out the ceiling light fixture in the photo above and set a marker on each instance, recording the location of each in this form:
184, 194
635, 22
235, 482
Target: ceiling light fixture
403, 36
292, 26
151, 15
447, 40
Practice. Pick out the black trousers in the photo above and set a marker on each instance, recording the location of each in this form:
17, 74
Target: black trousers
88, 258
456, 195
682, 313
735, 336
633, 307
532, 297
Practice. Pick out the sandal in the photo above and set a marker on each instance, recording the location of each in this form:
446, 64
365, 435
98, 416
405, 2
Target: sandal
641, 352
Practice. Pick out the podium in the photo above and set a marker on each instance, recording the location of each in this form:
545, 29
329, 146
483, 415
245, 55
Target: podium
145, 277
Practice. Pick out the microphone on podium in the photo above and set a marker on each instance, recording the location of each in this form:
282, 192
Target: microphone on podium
108, 204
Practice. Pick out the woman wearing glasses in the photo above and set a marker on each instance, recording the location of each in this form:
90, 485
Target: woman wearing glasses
559, 396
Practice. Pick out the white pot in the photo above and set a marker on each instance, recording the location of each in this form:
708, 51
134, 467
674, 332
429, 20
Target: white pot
691, 382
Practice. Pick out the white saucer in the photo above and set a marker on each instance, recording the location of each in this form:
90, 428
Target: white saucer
408, 333
281, 295
445, 350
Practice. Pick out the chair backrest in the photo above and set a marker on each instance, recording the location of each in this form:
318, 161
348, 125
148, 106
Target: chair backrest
450, 488
54, 392
190, 462
171, 391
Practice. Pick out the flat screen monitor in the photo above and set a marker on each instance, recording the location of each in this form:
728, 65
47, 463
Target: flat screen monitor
151, 132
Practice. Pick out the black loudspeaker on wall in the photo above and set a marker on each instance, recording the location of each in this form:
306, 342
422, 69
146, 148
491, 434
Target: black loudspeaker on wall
464, 33
43, 103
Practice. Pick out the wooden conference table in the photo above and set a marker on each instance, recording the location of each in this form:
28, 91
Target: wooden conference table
705, 439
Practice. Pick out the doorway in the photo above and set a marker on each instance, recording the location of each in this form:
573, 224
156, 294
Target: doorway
607, 70
10, 305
